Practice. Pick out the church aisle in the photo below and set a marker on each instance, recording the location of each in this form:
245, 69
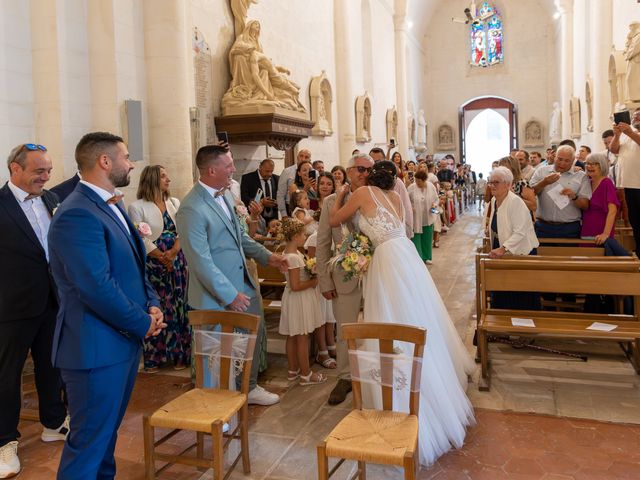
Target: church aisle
503, 445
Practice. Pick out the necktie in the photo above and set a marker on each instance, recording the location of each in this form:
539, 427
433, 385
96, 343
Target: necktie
267, 194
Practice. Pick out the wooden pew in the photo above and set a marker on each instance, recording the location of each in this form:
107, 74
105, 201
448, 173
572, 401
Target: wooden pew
570, 251
612, 277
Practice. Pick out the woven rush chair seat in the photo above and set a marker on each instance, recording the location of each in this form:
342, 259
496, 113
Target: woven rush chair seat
197, 409
374, 436
223, 345
387, 436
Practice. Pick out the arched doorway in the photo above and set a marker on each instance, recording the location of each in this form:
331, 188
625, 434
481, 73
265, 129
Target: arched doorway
488, 131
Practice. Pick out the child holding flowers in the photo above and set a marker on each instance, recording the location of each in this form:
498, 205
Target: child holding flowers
301, 312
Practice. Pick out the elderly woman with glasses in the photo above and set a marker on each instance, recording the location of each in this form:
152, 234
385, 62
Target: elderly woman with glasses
599, 219
511, 232
511, 229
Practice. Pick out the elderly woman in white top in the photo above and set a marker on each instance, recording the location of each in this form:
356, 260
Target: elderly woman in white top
166, 268
423, 196
511, 232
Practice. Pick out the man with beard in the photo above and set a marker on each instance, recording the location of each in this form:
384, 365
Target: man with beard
627, 148
107, 307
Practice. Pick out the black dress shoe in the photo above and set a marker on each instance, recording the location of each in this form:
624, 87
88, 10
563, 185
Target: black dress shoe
339, 392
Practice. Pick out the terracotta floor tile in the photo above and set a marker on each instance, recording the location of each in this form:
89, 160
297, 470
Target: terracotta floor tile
523, 466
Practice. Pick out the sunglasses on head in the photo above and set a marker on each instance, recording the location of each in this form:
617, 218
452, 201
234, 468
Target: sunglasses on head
32, 147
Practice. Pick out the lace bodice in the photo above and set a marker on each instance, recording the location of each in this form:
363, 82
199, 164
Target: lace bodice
384, 226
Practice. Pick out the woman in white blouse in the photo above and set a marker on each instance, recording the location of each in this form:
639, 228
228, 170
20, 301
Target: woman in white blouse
511, 232
166, 268
424, 197
511, 229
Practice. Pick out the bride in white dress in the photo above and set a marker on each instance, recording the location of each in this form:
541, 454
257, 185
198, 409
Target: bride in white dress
399, 289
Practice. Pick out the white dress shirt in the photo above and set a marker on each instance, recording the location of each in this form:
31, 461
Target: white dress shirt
218, 199
36, 212
105, 195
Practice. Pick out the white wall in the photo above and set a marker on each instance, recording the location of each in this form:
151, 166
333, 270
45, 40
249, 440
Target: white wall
16, 92
525, 77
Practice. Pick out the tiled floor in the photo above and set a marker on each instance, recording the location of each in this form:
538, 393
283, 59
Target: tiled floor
503, 444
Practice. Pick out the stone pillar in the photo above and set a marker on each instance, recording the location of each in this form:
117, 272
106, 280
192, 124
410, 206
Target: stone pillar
601, 13
565, 7
166, 44
47, 96
105, 111
345, 88
400, 24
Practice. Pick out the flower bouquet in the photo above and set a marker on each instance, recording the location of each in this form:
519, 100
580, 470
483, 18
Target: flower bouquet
310, 265
144, 230
353, 254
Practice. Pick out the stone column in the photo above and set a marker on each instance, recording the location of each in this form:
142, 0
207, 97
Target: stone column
601, 13
565, 7
400, 24
166, 44
105, 113
345, 88
47, 97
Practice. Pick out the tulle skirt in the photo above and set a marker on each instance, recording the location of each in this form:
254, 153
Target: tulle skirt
399, 289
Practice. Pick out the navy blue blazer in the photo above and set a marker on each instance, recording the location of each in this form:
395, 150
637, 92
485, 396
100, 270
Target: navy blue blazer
25, 279
104, 295
64, 189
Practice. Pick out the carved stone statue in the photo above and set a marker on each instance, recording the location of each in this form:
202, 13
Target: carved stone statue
363, 118
422, 128
588, 96
321, 99
576, 120
239, 9
392, 124
555, 124
411, 125
632, 56
444, 138
255, 80
533, 134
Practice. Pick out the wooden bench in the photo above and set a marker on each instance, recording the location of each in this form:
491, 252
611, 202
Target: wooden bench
524, 274
569, 251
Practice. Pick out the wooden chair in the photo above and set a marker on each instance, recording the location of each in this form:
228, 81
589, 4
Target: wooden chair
206, 410
384, 437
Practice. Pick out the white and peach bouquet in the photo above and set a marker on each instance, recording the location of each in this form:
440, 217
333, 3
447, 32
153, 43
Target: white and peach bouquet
354, 254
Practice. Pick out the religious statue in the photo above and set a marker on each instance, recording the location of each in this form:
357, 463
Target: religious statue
321, 97
555, 125
422, 128
589, 101
533, 134
255, 80
239, 9
632, 56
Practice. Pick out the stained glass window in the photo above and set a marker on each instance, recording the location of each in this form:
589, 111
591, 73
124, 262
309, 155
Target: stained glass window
486, 36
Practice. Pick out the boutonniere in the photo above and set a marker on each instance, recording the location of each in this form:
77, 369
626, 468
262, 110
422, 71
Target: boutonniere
143, 229
241, 210
54, 210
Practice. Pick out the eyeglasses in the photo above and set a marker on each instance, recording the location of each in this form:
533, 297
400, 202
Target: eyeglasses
493, 183
32, 147
363, 169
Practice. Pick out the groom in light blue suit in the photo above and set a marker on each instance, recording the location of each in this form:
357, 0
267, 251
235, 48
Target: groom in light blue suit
216, 246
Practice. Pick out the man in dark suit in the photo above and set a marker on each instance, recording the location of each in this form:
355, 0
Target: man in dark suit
264, 179
28, 302
63, 189
107, 306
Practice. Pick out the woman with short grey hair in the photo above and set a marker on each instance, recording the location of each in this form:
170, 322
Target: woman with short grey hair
598, 220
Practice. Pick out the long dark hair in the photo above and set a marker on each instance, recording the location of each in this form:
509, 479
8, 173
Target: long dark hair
149, 185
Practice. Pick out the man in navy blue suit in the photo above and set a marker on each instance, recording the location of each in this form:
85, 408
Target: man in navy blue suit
107, 306
64, 189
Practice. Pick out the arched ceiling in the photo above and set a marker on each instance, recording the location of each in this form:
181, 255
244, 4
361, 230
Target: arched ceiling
420, 12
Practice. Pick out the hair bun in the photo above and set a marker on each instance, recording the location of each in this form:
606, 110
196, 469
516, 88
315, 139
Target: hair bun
382, 175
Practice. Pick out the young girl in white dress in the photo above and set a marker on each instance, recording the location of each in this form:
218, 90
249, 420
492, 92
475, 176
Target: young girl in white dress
399, 289
300, 314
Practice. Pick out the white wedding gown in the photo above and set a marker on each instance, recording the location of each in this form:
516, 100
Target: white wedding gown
398, 289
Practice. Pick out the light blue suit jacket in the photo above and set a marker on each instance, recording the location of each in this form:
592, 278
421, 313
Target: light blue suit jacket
215, 247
